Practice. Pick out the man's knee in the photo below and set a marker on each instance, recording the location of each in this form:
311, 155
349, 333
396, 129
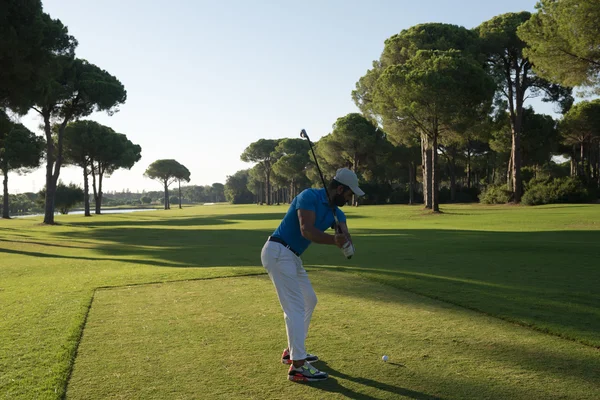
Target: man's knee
311, 300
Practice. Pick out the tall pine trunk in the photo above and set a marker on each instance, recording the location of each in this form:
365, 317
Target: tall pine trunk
412, 173
166, 195
516, 173
93, 169
179, 181
598, 165
582, 167
99, 194
509, 181
588, 165
435, 206
426, 166
86, 192
50, 182
5, 204
452, 166
517, 124
574, 164
268, 189
453, 181
54, 157
469, 166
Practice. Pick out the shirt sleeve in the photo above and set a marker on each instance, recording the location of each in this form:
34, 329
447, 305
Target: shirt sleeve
340, 215
307, 200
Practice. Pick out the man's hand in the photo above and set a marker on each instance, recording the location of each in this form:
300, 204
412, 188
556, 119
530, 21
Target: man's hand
340, 240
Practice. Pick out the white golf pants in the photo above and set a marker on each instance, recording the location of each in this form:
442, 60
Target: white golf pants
295, 292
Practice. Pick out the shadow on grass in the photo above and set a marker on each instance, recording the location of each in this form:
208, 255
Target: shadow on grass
183, 220
582, 367
49, 255
49, 244
333, 386
547, 279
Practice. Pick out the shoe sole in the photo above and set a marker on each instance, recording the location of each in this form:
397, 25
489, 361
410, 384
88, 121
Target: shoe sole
296, 378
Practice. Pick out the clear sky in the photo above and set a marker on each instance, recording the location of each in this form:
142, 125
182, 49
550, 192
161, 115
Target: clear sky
204, 79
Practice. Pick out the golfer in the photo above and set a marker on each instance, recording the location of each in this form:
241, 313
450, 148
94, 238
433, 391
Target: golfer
308, 217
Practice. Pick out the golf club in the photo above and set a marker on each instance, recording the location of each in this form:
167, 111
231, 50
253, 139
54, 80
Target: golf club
348, 249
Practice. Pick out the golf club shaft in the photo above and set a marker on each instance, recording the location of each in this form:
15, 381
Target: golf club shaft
314, 156
305, 135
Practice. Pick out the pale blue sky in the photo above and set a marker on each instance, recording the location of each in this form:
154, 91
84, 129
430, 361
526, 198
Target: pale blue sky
207, 78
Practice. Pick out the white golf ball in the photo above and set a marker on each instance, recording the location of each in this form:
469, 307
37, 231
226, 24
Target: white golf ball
384, 358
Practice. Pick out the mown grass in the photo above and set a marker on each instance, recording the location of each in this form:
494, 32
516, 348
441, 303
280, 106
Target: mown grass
533, 266
222, 338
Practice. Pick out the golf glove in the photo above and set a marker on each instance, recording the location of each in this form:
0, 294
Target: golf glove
348, 250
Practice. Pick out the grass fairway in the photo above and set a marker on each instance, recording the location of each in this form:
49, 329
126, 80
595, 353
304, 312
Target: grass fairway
221, 339
534, 266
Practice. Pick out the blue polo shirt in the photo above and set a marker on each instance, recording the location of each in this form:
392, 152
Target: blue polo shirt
312, 200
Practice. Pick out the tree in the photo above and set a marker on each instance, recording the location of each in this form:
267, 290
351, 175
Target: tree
516, 80
398, 50
540, 138
20, 203
564, 42
431, 94
580, 127
329, 165
256, 183
356, 138
293, 156
66, 197
114, 151
262, 152
353, 139
167, 172
218, 191
29, 38
19, 148
236, 188
196, 194
145, 200
71, 89
82, 143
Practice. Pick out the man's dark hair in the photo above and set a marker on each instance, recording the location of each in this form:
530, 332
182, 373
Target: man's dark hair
335, 184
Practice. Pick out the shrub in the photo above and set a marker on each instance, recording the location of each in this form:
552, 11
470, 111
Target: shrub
495, 194
463, 195
65, 198
559, 190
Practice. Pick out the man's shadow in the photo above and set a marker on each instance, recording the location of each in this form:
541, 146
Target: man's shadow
332, 385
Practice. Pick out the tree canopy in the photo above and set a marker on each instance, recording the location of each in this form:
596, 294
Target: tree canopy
564, 42
19, 149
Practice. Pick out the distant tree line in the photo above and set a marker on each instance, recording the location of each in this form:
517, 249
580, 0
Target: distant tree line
191, 194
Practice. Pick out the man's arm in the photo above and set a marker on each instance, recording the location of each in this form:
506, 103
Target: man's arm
344, 227
310, 232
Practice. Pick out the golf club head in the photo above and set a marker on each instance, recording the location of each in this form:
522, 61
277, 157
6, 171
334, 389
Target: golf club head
303, 134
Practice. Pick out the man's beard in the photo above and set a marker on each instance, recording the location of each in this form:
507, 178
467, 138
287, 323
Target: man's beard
339, 200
